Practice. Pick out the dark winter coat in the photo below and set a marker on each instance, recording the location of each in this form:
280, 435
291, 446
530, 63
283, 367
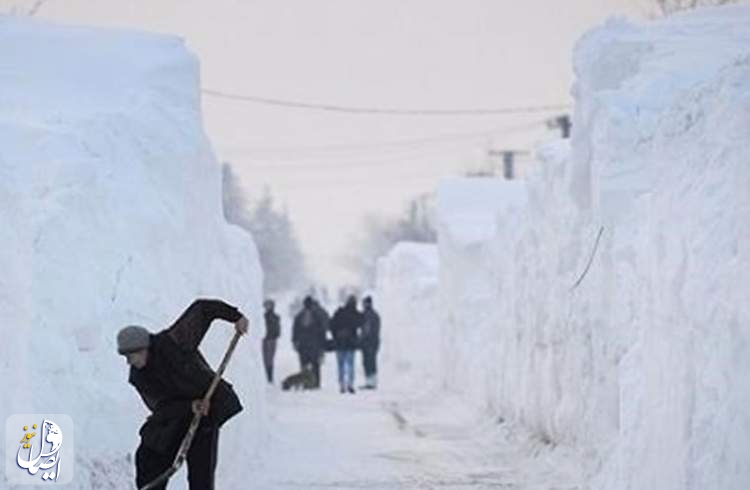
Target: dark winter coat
344, 327
176, 373
370, 334
323, 317
273, 325
308, 333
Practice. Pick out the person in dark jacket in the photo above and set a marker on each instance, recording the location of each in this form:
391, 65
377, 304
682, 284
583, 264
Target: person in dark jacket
325, 322
273, 331
369, 342
322, 314
172, 376
345, 325
308, 338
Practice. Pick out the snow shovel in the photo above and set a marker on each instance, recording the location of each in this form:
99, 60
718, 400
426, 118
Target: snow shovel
188, 439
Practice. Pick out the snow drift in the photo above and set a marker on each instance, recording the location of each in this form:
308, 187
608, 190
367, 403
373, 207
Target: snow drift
110, 199
603, 301
662, 121
405, 295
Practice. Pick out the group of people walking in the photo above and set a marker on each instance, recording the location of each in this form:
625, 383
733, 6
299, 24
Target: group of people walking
314, 332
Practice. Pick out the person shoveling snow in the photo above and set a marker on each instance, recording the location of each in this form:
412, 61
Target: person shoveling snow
176, 383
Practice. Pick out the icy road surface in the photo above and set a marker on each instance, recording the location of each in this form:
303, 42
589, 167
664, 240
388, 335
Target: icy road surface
400, 438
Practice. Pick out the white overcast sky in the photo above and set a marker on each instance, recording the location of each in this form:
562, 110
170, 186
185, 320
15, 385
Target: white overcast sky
424, 54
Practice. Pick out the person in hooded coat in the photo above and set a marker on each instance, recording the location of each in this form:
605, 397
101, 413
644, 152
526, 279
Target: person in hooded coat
308, 338
369, 342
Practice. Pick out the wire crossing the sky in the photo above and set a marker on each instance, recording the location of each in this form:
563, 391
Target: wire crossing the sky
386, 111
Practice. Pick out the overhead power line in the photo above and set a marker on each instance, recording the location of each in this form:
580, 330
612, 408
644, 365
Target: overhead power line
352, 163
444, 139
386, 111
404, 159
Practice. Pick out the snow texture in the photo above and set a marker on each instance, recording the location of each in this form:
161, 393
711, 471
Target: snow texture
406, 294
603, 302
110, 199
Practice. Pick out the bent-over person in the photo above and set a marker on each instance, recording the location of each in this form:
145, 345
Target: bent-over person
172, 376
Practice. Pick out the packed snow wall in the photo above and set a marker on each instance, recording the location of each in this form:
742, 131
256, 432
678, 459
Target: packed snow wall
110, 200
663, 119
405, 296
604, 305
467, 224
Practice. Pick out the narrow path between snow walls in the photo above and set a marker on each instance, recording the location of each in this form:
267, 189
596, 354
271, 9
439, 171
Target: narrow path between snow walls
408, 434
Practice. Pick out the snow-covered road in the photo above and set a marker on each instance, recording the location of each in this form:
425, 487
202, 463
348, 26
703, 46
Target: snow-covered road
399, 438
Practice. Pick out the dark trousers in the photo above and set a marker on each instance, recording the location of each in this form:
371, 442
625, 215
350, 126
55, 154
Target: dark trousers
370, 359
310, 360
269, 351
201, 461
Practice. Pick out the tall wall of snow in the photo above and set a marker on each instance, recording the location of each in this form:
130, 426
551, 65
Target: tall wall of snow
467, 224
604, 302
405, 295
663, 121
110, 199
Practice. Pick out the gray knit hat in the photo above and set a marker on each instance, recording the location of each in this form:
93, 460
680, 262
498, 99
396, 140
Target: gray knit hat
132, 338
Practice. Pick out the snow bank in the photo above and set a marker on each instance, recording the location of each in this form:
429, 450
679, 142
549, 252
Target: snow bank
664, 139
603, 302
110, 199
405, 297
467, 222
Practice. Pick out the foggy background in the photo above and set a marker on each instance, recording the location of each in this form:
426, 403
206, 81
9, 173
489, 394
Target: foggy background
331, 171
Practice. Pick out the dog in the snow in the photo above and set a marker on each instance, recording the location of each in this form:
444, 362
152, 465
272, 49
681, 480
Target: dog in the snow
304, 380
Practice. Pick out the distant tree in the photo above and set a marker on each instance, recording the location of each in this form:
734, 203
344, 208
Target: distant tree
236, 205
379, 235
280, 254
668, 7
27, 8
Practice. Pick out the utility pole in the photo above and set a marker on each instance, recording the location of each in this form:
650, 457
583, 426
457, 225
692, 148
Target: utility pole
509, 159
563, 123
508, 164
